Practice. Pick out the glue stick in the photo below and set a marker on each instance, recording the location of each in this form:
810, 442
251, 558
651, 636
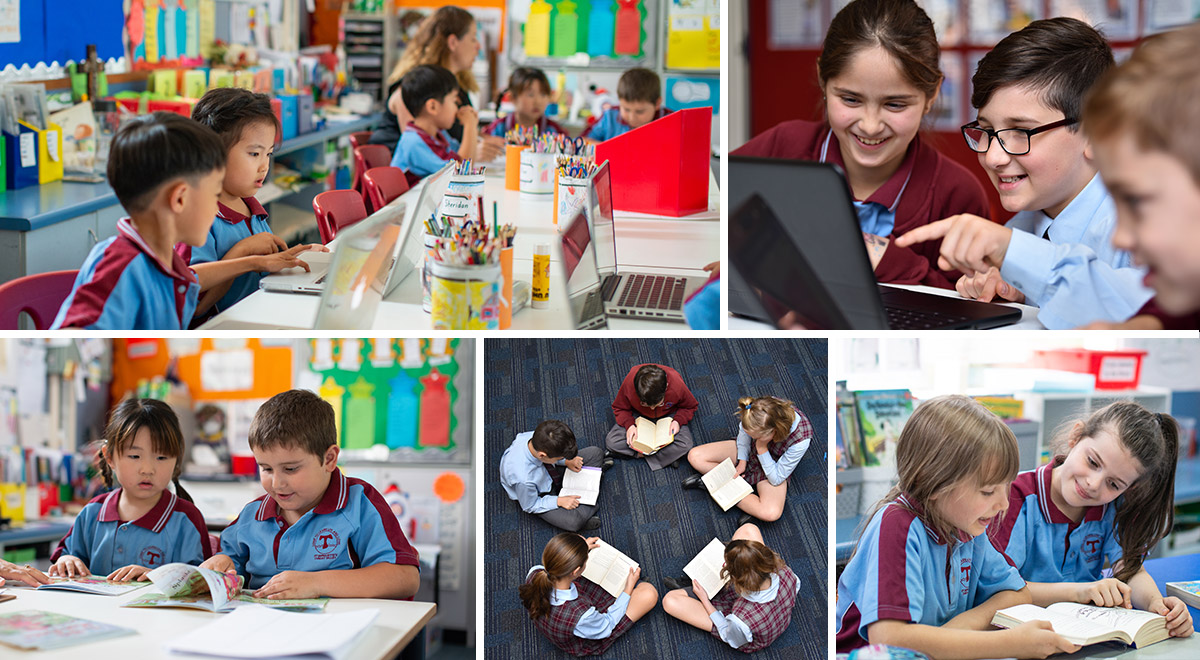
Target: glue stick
541, 277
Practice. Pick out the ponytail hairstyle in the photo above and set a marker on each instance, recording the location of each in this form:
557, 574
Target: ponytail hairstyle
129, 417
949, 440
748, 564
759, 415
1146, 510
428, 45
900, 27
564, 554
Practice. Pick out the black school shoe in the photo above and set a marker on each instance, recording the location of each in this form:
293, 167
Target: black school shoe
694, 481
608, 462
746, 518
592, 523
671, 584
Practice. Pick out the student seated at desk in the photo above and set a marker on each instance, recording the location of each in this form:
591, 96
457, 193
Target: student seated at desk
639, 92
879, 77
248, 128
431, 95
126, 533
1141, 119
1108, 493
1056, 252
166, 171
316, 532
530, 90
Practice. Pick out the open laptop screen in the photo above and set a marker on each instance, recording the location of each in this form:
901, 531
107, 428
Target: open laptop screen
360, 269
426, 205
600, 213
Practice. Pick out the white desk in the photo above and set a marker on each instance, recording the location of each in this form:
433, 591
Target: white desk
398, 623
656, 244
1028, 313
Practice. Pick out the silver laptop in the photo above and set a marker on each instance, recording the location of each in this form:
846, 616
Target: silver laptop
582, 279
630, 294
407, 250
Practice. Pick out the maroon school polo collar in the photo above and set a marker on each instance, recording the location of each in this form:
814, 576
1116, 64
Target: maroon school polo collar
1050, 511
888, 195
335, 498
438, 144
233, 217
154, 519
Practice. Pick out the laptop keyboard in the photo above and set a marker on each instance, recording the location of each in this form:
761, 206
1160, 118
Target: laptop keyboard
911, 319
593, 306
650, 292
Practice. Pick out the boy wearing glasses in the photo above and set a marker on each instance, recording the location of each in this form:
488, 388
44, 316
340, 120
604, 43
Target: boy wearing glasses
1055, 252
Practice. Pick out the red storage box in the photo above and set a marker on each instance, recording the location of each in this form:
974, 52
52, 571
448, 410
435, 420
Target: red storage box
1114, 370
181, 108
662, 167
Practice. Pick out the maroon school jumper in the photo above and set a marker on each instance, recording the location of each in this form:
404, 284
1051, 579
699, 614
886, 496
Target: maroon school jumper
678, 401
927, 187
1186, 322
766, 621
559, 625
754, 471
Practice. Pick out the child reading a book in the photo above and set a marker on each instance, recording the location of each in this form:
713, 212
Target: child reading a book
955, 460
779, 435
879, 75
336, 535
431, 95
1140, 120
530, 91
639, 92
1108, 493
247, 127
654, 392
527, 476
750, 612
142, 525
573, 612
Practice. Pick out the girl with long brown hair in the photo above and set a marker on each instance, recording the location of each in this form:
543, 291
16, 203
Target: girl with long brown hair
1109, 494
580, 617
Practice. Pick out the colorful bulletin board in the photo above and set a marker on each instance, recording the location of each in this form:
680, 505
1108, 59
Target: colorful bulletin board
394, 398
608, 29
694, 34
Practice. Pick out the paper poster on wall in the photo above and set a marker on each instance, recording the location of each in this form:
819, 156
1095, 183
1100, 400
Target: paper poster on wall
226, 371
1166, 14
10, 21
694, 92
694, 34
1117, 19
600, 28
992, 21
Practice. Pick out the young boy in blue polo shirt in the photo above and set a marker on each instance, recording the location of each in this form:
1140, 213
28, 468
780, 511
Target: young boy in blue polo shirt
431, 96
640, 94
525, 473
316, 532
247, 127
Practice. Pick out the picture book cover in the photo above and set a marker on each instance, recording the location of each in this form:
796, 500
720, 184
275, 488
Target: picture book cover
881, 416
35, 629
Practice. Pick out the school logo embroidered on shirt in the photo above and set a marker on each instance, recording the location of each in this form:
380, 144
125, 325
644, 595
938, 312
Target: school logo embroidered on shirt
965, 567
151, 556
326, 543
1091, 547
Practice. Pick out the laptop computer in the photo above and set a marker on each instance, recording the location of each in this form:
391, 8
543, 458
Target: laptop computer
407, 250
795, 245
582, 284
625, 293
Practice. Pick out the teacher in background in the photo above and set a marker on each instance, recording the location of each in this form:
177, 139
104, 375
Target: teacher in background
446, 38
26, 574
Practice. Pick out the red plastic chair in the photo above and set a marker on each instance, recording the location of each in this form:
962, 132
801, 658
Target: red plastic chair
360, 139
38, 295
336, 210
366, 157
382, 185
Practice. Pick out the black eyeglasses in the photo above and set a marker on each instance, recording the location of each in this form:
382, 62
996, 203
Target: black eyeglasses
1014, 141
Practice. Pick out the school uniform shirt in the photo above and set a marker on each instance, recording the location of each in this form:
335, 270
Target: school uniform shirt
576, 623
525, 478
927, 187
509, 122
351, 527
702, 309
229, 228
610, 124
781, 458
752, 621
678, 401
172, 531
420, 154
122, 285
388, 131
1185, 322
591, 624
904, 571
1068, 267
1047, 546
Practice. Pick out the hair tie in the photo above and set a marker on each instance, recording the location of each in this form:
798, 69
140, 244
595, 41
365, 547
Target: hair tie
747, 406
1161, 423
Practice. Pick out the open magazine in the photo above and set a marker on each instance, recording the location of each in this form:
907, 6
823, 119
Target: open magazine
91, 584
182, 585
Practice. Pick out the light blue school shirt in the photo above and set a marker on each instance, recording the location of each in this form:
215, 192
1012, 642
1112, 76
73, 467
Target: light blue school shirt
415, 155
525, 478
777, 471
592, 624
227, 230
1046, 545
1076, 276
904, 571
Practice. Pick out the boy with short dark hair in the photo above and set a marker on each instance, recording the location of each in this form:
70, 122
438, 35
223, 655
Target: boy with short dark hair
431, 96
640, 94
316, 532
1055, 252
652, 391
527, 476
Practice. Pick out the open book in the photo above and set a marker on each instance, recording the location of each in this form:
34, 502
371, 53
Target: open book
93, 584
256, 632
35, 629
1188, 592
1088, 624
182, 585
652, 436
584, 483
725, 486
609, 568
705, 568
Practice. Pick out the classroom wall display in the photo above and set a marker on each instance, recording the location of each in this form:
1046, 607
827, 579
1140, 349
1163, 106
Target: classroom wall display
620, 32
694, 34
684, 92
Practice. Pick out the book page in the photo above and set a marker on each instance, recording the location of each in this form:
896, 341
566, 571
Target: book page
662, 433
609, 568
719, 476
731, 493
184, 581
1078, 631
259, 632
584, 483
1118, 618
705, 568
94, 585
